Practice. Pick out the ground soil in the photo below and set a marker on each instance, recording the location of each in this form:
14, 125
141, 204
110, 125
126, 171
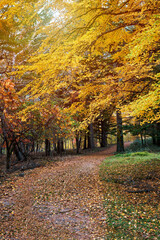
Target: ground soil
62, 200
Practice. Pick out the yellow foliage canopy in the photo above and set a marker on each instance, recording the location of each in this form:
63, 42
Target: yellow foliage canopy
106, 51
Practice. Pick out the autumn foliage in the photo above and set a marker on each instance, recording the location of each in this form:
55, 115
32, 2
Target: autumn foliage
75, 77
71, 61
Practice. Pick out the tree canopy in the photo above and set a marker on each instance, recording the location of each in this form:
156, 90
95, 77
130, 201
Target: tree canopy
101, 52
71, 61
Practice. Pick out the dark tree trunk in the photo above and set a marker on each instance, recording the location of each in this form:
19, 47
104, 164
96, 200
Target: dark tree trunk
158, 134
78, 143
153, 135
120, 143
8, 156
103, 134
60, 146
37, 147
145, 139
55, 147
27, 148
142, 141
8, 160
85, 141
1, 149
18, 153
33, 146
47, 147
91, 137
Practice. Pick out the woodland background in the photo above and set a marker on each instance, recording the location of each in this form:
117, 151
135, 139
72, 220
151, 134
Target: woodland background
76, 77
73, 69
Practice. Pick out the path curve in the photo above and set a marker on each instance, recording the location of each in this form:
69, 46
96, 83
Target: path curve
59, 201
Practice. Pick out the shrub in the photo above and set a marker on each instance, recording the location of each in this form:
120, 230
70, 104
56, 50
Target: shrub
136, 146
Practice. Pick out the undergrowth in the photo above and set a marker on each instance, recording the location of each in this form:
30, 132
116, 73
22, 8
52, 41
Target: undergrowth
137, 146
131, 195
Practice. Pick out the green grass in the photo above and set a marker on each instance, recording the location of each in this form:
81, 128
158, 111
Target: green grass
131, 214
130, 166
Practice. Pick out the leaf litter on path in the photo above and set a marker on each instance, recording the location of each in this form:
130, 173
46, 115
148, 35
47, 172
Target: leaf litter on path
62, 201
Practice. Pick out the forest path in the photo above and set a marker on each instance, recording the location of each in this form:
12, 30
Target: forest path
63, 200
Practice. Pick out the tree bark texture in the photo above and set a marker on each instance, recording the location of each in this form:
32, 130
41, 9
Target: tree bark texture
78, 142
158, 134
103, 134
120, 142
91, 137
47, 147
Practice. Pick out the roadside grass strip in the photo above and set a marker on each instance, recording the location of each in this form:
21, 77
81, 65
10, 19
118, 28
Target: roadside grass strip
131, 195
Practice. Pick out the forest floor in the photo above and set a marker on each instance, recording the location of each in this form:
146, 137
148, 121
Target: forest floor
72, 198
61, 200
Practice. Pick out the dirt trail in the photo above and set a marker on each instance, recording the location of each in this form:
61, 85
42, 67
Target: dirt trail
59, 201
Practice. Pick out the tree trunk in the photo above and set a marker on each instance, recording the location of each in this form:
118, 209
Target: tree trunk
1, 149
18, 153
8, 156
142, 142
33, 146
60, 146
85, 141
145, 138
55, 147
47, 147
158, 134
103, 134
37, 147
120, 143
8, 160
27, 148
78, 142
153, 134
91, 137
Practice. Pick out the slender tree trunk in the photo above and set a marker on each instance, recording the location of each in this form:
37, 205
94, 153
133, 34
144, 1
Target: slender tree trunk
142, 141
62, 146
47, 147
55, 147
33, 147
85, 141
8, 160
91, 137
158, 134
18, 153
120, 142
78, 142
8, 156
59, 146
153, 134
27, 148
37, 147
1, 149
145, 139
103, 134
72, 144
4, 127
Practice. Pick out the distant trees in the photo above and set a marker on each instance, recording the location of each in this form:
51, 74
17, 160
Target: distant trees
110, 51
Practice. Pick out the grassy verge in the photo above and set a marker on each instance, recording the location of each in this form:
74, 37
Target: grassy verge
131, 195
